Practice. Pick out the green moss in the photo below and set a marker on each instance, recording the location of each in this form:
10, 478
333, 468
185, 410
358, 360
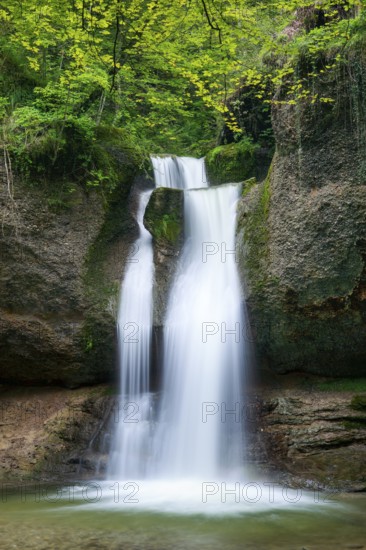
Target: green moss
110, 390
168, 227
256, 234
248, 185
164, 216
358, 403
120, 156
231, 163
342, 384
75, 150
357, 424
102, 292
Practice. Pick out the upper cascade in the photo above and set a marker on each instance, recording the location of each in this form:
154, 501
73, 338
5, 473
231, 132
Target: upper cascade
179, 172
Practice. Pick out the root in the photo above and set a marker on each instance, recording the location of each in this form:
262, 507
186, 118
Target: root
11, 213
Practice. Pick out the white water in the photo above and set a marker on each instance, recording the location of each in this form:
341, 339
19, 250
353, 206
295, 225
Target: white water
179, 172
131, 413
203, 364
196, 435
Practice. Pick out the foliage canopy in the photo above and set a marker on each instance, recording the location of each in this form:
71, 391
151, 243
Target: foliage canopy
162, 70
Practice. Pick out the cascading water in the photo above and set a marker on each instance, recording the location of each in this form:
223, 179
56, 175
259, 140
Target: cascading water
190, 459
199, 430
191, 456
134, 325
179, 172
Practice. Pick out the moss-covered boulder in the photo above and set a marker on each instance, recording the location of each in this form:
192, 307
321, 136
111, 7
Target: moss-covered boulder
231, 163
164, 218
302, 233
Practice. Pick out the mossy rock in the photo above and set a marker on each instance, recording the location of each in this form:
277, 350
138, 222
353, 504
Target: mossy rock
108, 254
248, 185
76, 152
303, 258
164, 216
255, 229
231, 163
117, 143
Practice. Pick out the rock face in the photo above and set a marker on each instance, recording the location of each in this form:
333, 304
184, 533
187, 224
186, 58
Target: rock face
164, 218
302, 245
313, 437
48, 433
302, 236
60, 271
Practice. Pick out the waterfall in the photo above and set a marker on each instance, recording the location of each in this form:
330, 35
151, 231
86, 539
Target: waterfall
200, 424
131, 414
196, 433
186, 456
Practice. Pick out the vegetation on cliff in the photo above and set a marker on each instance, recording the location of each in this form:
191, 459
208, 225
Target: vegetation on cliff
304, 261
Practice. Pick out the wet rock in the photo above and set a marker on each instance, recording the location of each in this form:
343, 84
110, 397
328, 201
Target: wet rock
52, 433
60, 272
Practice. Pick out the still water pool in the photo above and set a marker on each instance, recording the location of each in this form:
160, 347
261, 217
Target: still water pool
40, 517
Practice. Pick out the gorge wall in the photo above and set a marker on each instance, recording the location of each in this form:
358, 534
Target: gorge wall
61, 264
302, 233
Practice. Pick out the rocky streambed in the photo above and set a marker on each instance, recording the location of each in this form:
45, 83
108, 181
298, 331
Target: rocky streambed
314, 437
303, 435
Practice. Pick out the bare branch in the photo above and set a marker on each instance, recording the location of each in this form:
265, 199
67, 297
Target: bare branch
115, 54
209, 21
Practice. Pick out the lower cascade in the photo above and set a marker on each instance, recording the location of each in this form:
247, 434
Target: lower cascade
134, 326
203, 362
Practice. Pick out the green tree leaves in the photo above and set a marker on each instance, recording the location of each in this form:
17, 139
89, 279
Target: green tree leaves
155, 66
